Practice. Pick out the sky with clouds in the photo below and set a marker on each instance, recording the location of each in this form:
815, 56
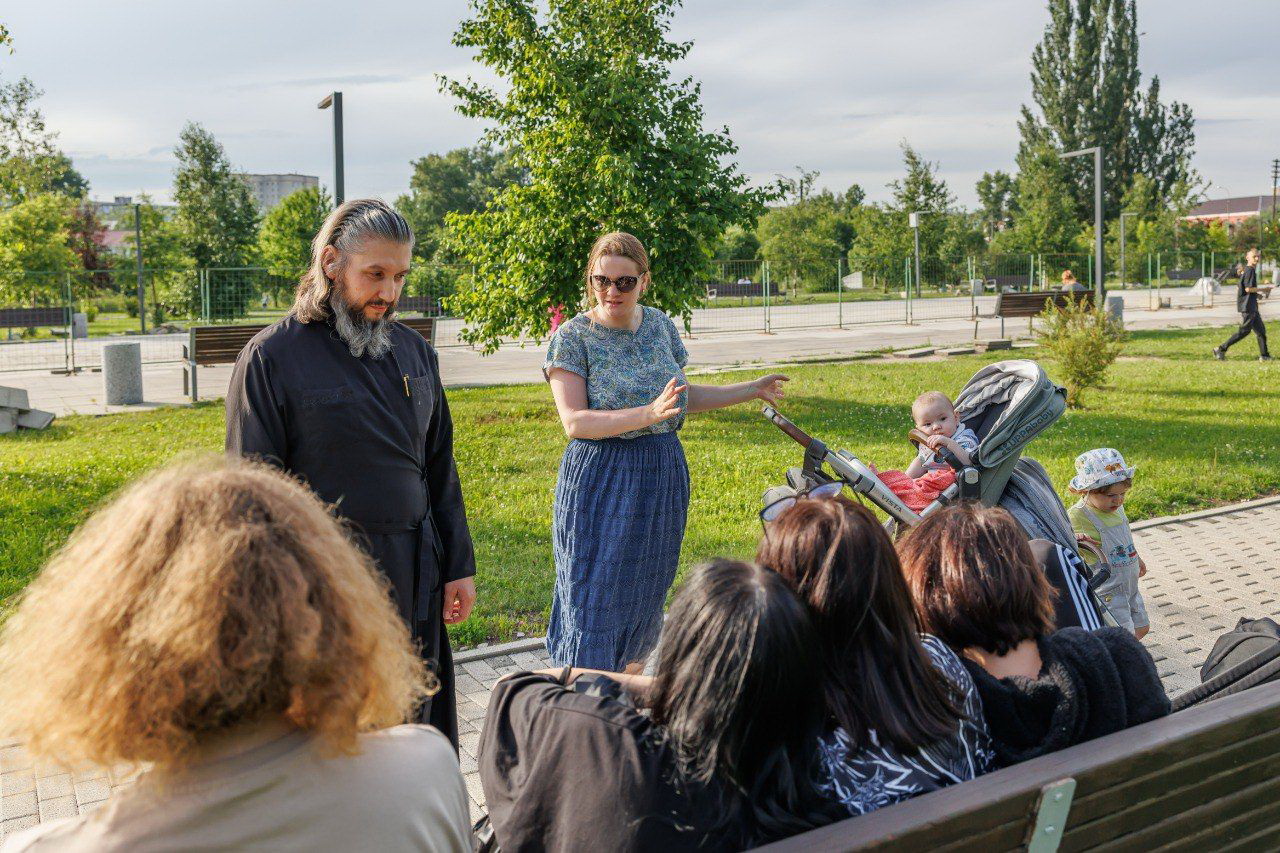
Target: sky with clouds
831, 86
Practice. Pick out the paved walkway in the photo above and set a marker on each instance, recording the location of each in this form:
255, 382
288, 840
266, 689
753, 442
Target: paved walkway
1206, 570
461, 366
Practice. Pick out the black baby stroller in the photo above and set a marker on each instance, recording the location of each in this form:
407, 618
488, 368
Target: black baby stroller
1006, 404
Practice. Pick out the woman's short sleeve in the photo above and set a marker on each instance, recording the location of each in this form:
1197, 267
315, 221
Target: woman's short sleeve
567, 351
678, 352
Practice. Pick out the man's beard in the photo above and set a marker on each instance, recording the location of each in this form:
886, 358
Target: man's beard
361, 335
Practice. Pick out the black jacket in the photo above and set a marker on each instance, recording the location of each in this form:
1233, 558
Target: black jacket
1091, 683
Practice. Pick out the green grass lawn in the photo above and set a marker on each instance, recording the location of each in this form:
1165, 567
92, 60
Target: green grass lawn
1201, 433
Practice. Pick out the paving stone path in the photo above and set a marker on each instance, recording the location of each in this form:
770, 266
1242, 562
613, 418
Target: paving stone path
1206, 570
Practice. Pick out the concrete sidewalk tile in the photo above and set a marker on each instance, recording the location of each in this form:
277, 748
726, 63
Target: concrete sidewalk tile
17, 782
92, 791
15, 758
54, 786
19, 805
58, 808
18, 824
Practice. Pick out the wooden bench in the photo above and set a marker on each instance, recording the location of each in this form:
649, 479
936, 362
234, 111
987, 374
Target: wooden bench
208, 345
1202, 779
1031, 305
1183, 275
1006, 283
30, 318
420, 304
726, 289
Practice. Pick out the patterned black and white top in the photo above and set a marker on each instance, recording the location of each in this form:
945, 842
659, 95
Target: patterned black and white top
879, 775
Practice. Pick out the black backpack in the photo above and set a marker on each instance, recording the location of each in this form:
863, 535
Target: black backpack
1241, 658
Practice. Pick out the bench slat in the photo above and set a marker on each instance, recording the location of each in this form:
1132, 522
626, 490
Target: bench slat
1205, 762
1229, 817
1156, 802
211, 345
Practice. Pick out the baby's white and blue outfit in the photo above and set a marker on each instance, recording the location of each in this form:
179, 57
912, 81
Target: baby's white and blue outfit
964, 437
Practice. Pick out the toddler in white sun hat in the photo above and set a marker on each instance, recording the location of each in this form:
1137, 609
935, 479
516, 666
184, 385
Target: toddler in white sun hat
1102, 480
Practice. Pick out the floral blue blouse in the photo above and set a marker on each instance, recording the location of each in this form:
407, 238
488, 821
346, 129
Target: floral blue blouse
623, 368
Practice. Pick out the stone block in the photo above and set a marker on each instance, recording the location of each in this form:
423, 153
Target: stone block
997, 343
8, 420
14, 398
34, 418
958, 351
79, 325
914, 353
122, 373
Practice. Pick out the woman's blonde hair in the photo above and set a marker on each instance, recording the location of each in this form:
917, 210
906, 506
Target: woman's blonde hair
347, 229
1068, 275
618, 243
206, 595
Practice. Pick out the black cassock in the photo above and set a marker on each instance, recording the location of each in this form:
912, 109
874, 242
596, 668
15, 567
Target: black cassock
373, 437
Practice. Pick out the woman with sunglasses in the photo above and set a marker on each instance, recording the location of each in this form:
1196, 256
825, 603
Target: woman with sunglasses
904, 717
622, 496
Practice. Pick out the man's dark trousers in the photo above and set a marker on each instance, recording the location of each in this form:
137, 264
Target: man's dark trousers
1250, 321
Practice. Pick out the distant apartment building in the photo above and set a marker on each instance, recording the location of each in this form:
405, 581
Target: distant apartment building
269, 190
117, 214
1230, 212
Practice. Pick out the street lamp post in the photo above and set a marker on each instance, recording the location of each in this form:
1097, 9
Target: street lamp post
1124, 278
1099, 286
335, 100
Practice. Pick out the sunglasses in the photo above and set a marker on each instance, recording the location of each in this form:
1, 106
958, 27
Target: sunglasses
625, 283
776, 508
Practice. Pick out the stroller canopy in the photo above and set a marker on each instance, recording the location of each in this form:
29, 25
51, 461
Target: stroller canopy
1007, 404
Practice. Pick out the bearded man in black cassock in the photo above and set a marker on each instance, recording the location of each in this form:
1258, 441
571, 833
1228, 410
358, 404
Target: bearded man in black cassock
341, 395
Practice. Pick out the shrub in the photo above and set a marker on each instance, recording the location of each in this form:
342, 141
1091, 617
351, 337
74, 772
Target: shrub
1084, 341
90, 313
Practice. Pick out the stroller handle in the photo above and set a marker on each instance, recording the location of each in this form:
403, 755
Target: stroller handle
800, 436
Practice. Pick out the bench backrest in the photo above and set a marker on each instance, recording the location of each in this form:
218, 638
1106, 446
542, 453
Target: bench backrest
27, 318
1203, 779
733, 288
1031, 304
222, 344
1183, 275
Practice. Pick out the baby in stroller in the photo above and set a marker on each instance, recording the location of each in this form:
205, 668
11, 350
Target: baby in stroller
938, 434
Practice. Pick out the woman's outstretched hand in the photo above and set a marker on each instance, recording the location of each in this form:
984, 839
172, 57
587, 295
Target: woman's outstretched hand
769, 388
667, 404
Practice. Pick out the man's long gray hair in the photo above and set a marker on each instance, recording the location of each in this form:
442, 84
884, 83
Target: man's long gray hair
347, 229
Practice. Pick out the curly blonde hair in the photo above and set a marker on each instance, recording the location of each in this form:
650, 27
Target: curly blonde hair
206, 595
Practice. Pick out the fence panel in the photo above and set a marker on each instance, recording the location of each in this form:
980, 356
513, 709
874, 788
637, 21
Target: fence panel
735, 298
1173, 278
35, 321
805, 292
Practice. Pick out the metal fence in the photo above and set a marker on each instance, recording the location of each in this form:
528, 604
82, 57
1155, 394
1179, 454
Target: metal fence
155, 307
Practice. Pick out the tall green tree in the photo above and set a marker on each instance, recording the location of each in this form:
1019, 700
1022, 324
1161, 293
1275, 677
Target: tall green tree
996, 201
885, 231
610, 141
34, 253
460, 181
30, 162
217, 216
1087, 91
284, 240
1047, 219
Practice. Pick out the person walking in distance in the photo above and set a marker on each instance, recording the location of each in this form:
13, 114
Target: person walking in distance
1250, 316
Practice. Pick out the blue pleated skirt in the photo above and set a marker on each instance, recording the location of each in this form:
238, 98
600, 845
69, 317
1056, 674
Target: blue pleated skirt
617, 525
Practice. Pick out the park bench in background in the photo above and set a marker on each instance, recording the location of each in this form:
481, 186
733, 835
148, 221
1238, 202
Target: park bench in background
1201, 779
725, 289
1006, 283
208, 345
420, 304
1031, 305
1184, 275
30, 318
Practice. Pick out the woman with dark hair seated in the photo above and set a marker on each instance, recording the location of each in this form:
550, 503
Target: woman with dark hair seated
725, 760
978, 588
903, 717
